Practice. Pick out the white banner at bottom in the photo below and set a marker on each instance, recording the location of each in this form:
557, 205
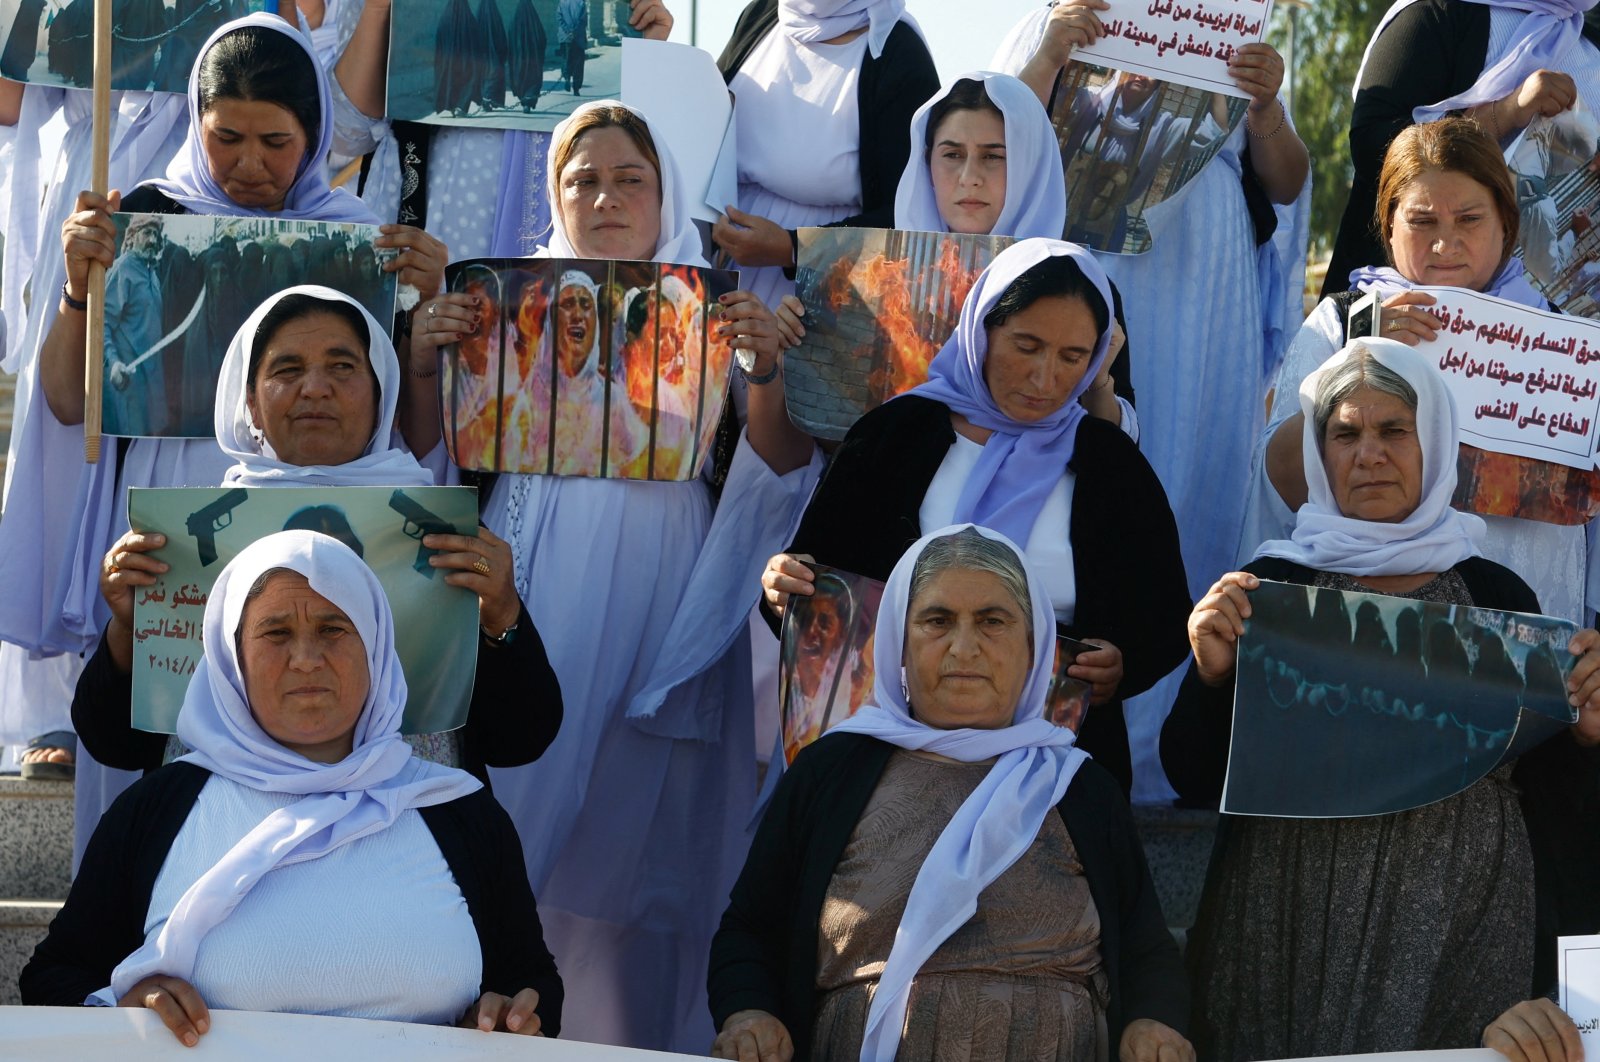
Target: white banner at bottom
72, 1034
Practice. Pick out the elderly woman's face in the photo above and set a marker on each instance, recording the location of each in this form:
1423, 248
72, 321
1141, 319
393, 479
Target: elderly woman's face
577, 320
1039, 355
1373, 457
967, 651
254, 149
968, 167
1447, 231
304, 668
610, 197
315, 397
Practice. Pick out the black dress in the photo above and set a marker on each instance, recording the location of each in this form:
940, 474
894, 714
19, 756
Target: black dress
1131, 587
528, 44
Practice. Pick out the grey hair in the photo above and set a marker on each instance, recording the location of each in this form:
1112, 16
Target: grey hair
1360, 369
969, 551
257, 588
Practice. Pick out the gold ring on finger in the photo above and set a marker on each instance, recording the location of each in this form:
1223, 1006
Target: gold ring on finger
481, 566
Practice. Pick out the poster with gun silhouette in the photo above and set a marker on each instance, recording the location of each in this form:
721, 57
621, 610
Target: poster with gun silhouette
879, 305
1349, 704
503, 64
181, 286
154, 43
825, 660
587, 367
436, 625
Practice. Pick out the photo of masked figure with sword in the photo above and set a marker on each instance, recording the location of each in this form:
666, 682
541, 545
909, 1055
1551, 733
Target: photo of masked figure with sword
136, 402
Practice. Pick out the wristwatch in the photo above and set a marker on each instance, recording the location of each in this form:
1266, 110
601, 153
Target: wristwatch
746, 360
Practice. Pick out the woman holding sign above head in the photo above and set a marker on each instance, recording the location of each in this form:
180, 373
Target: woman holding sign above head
652, 769
1401, 931
308, 394
1448, 216
945, 873
1233, 241
1001, 434
301, 859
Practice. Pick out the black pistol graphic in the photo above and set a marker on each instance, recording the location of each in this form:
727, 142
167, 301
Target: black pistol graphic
420, 521
205, 523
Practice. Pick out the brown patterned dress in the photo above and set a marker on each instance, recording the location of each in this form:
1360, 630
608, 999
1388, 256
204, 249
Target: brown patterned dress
1022, 980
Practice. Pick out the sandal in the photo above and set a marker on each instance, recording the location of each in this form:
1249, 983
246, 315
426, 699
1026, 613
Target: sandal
48, 770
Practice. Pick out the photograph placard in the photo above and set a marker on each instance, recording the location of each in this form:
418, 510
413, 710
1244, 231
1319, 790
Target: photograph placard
1558, 198
825, 660
1350, 704
503, 64
154, 44
181, 286
879, 305
587, 367
436, 625
1130, 143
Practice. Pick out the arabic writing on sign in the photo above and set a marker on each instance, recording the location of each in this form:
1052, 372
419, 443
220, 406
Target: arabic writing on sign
1186, 43
177, 665
1520, 377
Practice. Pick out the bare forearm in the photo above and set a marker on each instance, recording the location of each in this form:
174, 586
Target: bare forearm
61, 364
1279, 159
1040, 75
418, 412
1286, 462
1101, 402
363, 67
10, 102
119, 642
773, 436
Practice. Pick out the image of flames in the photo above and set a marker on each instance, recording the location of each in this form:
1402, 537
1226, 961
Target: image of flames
1507, 485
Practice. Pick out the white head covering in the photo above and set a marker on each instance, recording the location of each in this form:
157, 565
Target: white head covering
1036, 191
679, 241
342, 802
189, 181
996, 824
382, 463
1434, 537
577, 278
809, 21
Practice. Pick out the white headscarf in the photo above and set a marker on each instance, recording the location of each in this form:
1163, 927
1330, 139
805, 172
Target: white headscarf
382, 463
360, 795
679, 241
810, 21
996, 824
1036, 191
1434, 537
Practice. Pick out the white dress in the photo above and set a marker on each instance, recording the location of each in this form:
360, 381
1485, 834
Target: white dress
635, 821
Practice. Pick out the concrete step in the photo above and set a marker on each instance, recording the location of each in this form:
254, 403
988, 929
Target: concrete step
35, 839
1177, 845
22, 926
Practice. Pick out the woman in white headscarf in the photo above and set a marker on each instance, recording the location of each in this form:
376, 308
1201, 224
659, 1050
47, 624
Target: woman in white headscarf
300, 859
1391, 932
945, 864
653, 765
310, 348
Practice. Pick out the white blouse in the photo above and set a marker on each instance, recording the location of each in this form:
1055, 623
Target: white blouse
1049, 546
377, 928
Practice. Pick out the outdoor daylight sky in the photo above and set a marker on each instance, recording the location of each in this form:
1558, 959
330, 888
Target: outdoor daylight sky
961, 35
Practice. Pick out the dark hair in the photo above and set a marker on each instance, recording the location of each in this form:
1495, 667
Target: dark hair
965, 95
293, 308
1056, 275
257, 64
329, 520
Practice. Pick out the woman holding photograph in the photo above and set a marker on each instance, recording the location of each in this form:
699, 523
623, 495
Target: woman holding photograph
307, 398
652, 766
1311, 939
1005, 433
300, 859
1447, 211
945, 873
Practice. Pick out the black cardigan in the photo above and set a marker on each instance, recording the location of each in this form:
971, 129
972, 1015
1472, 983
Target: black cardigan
514, 714
888, 93
1432, 50
764, 955
103, 920
1131, 587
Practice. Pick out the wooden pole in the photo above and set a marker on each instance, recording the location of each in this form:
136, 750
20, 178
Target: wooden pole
99, 180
